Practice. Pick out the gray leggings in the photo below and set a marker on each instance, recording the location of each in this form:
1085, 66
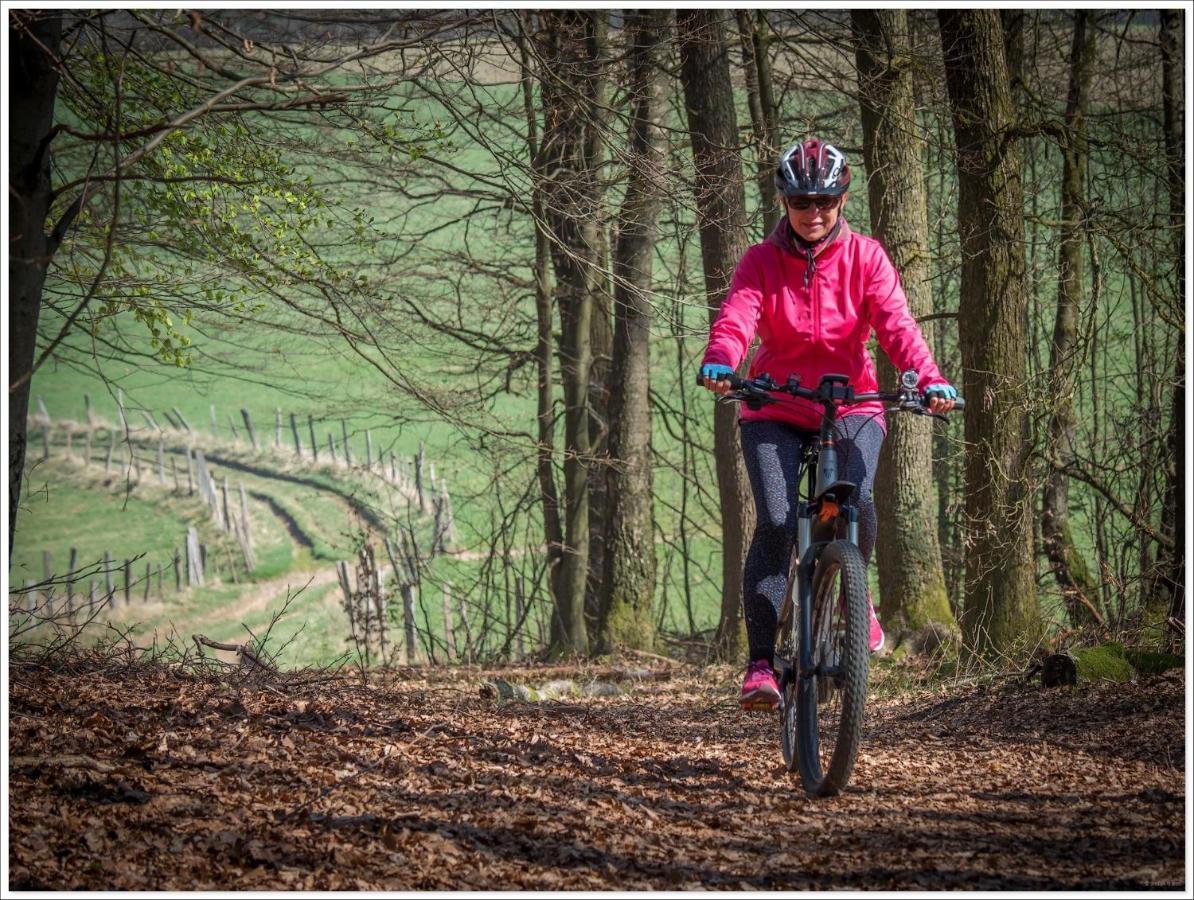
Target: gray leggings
772, 451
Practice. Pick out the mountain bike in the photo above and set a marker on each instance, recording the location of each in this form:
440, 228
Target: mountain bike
821, 654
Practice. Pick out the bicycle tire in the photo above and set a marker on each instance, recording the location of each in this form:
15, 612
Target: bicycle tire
830, 706
788, 655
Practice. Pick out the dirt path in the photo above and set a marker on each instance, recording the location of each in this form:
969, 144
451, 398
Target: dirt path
156, 780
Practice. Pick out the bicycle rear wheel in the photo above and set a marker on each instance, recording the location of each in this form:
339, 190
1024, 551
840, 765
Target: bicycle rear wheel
830, 699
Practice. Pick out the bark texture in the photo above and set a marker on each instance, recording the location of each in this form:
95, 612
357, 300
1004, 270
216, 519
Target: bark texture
571, 213
1171, 589
1001, 613
628, 585
721, 221
911, 578
756, 67
33, 86
545, 351
1078, 589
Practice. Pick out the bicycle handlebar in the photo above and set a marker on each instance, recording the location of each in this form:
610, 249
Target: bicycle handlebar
757, 392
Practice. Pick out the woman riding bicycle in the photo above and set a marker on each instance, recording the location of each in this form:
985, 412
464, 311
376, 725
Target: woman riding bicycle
812, 292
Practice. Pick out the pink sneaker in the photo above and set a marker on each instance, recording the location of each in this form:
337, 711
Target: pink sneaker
760, 689
875, 637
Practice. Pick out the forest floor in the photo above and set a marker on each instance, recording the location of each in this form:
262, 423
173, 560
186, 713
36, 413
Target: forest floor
135, 776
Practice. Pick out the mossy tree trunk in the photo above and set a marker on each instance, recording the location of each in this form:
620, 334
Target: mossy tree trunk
721, 221
1078, 589
911, 578
628, 585
1001, 612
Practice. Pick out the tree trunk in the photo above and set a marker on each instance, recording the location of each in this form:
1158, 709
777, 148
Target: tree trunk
1078, 589
544, 350
1170, 590
34, 38
601, 335
752, 30
1001, 613
911, 578
570, 193
628, 585
721, 221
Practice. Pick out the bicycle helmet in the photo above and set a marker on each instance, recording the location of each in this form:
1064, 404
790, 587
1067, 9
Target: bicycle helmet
812, 168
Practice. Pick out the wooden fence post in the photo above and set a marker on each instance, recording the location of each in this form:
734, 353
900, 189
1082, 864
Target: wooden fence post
128, 581
449, 633
87, 450
148, 571
92, 592
519, 621
368, 449
87, 416
298, 450
277, 428
346, 589
41, 408
227, 511
467, 652
124, 422
419, 479
215, 431
45, 442
194, 559
177, 570
232, 428
161, 461
332, 448
111, 452
70, 577
347, 451
314, 443
190, 478
185, 424
244, 516
405, 577
249, 428
108, 579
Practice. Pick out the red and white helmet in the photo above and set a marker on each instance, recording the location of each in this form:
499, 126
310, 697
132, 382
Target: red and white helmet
812, 168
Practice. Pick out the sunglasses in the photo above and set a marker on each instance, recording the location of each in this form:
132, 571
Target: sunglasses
802, 203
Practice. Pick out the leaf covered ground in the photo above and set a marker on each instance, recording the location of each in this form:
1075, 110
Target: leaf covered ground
132, 777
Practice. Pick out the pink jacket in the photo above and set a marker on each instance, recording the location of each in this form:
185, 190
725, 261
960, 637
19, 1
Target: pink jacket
819, 328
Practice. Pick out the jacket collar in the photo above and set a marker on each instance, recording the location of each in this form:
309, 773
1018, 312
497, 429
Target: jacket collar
783, 237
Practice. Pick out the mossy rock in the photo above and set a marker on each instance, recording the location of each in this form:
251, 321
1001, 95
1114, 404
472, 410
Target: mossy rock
1104, 662
1152, 662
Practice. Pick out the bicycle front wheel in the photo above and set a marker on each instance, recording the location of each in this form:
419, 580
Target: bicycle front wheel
830, 699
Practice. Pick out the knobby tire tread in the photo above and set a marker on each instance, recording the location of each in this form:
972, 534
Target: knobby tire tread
848, 559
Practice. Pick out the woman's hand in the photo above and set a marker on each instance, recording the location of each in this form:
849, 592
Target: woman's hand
711, 373
939, 398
